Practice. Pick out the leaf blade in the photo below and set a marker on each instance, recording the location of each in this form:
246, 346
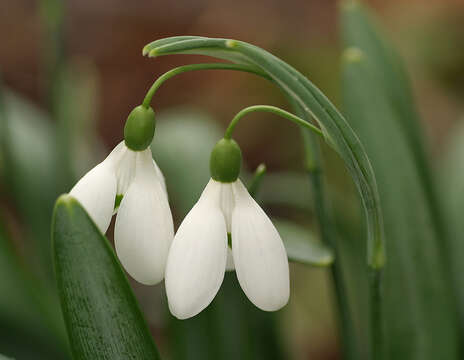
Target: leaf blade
302, 246
100, 311
416, 329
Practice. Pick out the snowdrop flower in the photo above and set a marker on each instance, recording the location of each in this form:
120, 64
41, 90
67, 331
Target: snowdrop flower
199, 252
144, 228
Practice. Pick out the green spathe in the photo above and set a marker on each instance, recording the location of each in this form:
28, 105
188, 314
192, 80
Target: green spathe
140, 128
225, 161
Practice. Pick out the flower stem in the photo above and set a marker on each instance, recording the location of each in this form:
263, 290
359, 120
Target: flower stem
226, 66
376, 343
313, 165
195, 67
270, 109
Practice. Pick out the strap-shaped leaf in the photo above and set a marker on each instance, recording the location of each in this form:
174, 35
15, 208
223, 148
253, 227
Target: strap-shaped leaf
335, 128
359, 30
388, 125
27, 143
101, 313
302, 245
453, 195
31, 325
418, 306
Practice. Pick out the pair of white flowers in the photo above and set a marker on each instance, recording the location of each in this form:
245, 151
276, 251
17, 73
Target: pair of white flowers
193, 262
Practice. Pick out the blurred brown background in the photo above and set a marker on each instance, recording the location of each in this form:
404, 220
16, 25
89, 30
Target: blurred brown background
110, 35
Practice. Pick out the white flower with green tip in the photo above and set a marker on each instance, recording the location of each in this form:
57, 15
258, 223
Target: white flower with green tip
144, 228
199, 253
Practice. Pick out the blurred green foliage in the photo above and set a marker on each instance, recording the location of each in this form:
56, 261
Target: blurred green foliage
380, 109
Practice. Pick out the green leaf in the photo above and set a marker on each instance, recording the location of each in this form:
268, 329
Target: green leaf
336, 130
30, 325
101, 313
3, 357
360, 31
31, 157
27, 140
418, 307
302, 245
452, 186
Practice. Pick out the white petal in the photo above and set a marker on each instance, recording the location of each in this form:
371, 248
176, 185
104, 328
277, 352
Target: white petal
125, 170
144, 229
161, 177
96, 191
197, 258
260, 259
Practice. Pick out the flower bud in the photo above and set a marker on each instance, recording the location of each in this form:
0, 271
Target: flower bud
140, 128
225, 161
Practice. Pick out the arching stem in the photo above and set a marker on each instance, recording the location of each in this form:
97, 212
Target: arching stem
195, 67
274, 110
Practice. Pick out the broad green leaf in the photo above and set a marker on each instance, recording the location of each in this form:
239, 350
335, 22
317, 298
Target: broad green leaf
359, 30
315, 105
418, 307
452, 182
101, 313
76, 113
302, 245
75, 99
28, 171
30, 323
30, 157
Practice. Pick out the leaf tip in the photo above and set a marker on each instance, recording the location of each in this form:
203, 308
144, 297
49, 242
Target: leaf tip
353, 55
65, 199
152, 53
231, 43
261, 168
349, 5
64, 202
328, 260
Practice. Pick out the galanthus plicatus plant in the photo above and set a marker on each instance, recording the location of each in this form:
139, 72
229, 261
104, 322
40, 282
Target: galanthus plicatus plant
226, 228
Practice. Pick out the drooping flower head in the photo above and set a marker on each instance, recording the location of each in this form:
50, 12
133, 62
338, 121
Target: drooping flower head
200, 250
130, 183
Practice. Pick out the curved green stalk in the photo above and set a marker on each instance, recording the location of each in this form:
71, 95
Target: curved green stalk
273, 110
329, 236
195, 67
